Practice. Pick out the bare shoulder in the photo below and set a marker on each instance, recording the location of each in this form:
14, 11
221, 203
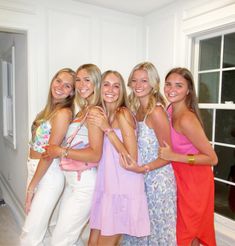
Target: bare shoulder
189, 121
62, 117
124, 116
63, 114
157, 114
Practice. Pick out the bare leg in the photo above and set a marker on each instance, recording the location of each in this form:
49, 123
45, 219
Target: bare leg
195, 242
94, 237
109, 240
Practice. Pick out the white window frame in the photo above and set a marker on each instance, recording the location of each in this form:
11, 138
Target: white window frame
223, 225
8, 95
219, 105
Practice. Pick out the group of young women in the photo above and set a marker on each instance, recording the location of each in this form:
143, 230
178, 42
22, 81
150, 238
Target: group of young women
140, 173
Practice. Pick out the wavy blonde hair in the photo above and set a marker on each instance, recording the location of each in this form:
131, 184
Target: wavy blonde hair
51, 108
95, 75
154, 81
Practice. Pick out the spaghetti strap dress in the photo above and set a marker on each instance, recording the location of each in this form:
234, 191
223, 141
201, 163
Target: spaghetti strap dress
160, 186
119, 204
195, 196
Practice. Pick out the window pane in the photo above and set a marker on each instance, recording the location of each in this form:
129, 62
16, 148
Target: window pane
225, 126
226, 156
208, 87
209, 53
207, 115
225, 199
229, 50
228, 86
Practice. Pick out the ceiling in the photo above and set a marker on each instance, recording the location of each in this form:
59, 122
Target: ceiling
136, 7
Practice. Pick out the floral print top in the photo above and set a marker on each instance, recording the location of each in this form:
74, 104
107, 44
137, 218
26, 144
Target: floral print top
40, 136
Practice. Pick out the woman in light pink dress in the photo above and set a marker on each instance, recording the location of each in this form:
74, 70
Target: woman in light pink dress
119, 203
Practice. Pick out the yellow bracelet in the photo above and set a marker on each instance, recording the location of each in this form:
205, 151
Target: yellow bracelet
191, 158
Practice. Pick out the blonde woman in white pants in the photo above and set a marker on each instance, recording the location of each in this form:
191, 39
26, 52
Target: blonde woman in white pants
76, 201
46, 180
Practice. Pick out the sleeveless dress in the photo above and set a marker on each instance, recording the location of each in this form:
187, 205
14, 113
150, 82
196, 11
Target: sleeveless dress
195, 196
160, 187
119, 204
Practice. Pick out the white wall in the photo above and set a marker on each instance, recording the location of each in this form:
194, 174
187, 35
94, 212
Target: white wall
169, 33
12, 172
60, 33
67, 33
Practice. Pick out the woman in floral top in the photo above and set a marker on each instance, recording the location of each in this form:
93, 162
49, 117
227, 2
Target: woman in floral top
45, 179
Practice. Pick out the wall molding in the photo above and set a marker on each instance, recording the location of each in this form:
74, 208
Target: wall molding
11, 200
14, 6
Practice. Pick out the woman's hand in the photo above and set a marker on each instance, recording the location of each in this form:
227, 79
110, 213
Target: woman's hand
128, 163
166, 152
52, 151
99, 119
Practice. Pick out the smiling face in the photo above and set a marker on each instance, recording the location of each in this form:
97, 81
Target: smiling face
84, 84
176, 88
110, 88
62, 86
140, 83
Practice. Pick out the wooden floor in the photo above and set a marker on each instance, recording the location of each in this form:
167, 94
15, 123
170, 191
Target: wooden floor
9, 230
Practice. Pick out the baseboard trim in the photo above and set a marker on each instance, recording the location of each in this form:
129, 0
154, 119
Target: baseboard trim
11, 199
225, 231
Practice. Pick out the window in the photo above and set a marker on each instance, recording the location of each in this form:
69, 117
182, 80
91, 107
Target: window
8, 82
214, 72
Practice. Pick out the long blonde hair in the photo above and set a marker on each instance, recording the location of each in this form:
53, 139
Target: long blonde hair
95, 75
51, 108
154, 81
191, 98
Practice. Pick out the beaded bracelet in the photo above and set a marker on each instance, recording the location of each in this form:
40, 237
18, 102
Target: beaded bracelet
65, 153
108, 130
31, 192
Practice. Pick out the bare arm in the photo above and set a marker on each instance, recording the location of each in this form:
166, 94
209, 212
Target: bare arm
59, 125
158, 121
92, 153
191, 128
160, 124
127, 126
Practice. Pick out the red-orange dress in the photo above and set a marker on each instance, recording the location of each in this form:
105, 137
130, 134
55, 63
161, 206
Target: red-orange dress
195, 196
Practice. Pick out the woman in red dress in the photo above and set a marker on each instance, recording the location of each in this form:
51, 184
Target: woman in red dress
192, 157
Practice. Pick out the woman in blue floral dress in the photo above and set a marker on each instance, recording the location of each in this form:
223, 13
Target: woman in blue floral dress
153, 130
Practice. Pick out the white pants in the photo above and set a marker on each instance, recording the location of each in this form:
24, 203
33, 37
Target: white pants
47, 195
74, 208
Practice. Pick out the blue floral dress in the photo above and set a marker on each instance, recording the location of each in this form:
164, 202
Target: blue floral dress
160, 187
